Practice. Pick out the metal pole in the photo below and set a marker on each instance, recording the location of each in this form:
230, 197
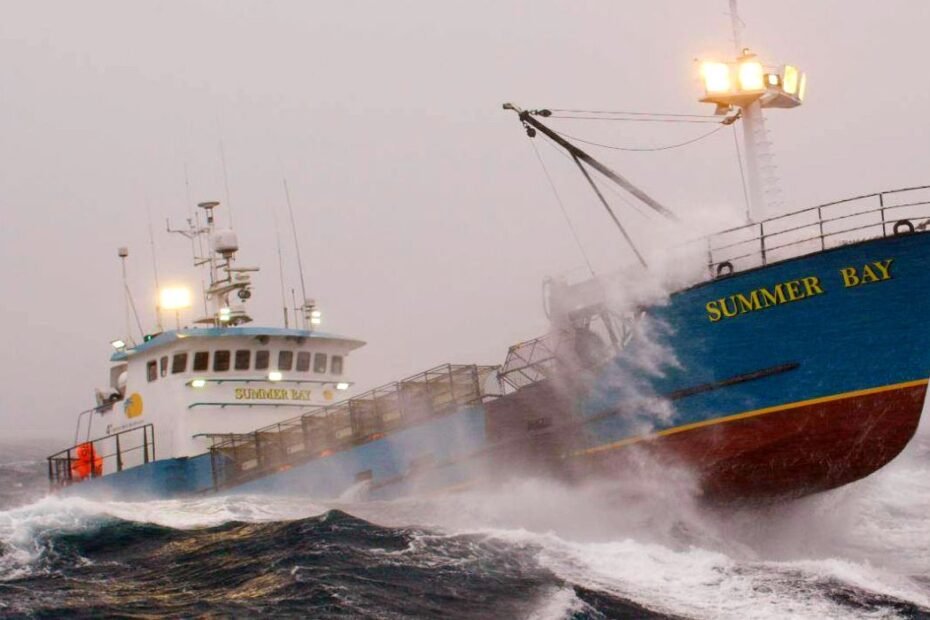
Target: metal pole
610, 211
577, 153
881, 205
119, 455
762, 241
145, 443
737, 25
823, 242
753, 135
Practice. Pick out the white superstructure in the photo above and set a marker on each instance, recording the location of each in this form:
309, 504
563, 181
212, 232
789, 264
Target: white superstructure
173, 394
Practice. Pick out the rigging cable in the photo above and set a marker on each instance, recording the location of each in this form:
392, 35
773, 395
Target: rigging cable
742, 175
632, 205
609, 210
634, 120
622, 113
643, 150
568, 220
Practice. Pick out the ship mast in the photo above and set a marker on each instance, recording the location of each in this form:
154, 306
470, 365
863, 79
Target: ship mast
225, 279
751, 87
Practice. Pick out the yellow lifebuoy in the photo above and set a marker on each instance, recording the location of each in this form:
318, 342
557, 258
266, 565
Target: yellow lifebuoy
133, 406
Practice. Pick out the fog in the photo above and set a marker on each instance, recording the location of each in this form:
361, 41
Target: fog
425, 219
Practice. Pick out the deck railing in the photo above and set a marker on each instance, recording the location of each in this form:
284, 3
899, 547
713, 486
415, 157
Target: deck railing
818, 228
108, 454
323, 430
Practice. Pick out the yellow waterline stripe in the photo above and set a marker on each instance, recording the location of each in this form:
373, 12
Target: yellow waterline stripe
750, 414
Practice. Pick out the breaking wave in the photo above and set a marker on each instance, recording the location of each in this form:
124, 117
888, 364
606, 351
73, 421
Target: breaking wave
533, 549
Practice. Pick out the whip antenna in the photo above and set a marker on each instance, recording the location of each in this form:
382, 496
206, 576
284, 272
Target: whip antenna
307, 305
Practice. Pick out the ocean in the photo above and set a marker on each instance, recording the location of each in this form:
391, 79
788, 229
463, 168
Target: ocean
529, 549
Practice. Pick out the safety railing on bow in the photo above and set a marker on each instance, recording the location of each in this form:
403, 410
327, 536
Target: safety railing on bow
818, 228
104, 455
322, 431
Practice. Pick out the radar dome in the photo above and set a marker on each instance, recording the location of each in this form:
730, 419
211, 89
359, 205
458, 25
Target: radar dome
225, 242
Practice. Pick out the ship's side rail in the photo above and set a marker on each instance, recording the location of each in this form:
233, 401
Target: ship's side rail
108, 454
324, 430
818, 228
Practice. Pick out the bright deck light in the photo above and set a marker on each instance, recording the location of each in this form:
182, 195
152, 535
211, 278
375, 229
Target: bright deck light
175, 298
198, 383
342, 385
225, 313
790, 80
118, 344
716, 77
316, 317
803, 87
275, 375
751, 75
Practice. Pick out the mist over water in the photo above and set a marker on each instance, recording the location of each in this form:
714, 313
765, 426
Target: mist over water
530, 548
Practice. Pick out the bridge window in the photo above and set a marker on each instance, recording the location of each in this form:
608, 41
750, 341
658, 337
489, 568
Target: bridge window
163, 366
201, 361
261, 360
319, 362
335, 365
151, 370
220, 361
303, 361
243, 357
285, 360
179, 363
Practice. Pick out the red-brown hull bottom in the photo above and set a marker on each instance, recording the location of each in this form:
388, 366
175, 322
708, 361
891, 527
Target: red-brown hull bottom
794, 451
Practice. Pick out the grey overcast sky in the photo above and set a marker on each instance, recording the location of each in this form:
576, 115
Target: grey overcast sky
426, 222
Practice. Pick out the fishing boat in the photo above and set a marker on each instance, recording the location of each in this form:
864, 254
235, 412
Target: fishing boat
795, 363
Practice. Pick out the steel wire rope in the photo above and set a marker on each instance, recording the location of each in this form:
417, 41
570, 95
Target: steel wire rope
558, 199
644, 149
742, 175
633, 120
624, 113
609, 188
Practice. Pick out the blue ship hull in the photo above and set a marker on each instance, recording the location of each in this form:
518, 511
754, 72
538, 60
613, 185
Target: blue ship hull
783, 380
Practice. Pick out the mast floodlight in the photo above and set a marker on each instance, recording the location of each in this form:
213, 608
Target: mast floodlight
751, 76
119, 345
748, 84
746, 80
716, 76
175, 298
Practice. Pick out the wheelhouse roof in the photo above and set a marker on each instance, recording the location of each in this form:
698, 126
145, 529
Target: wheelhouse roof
171, 336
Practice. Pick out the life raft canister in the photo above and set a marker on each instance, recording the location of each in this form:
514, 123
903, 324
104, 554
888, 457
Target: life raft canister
87, 463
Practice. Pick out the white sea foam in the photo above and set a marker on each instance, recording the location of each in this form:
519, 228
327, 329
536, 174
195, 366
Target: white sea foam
636, 539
